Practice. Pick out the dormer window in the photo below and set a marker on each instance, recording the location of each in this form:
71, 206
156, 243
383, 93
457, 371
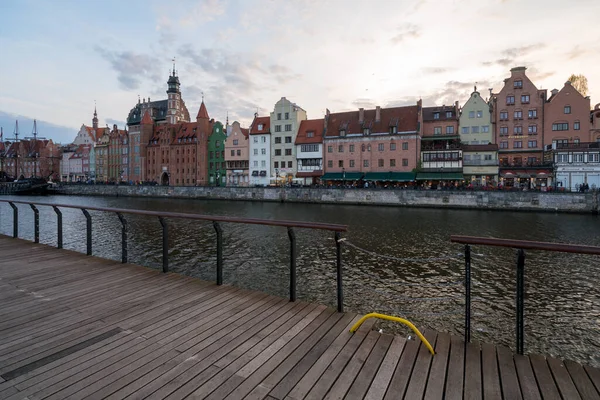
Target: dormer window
366, 131
448, 114
310, 134
342, 132
260, 127
518, 84
436, 115
393, 129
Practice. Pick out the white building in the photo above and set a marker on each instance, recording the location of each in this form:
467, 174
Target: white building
260, 151
309, 151
576, 164
285, 122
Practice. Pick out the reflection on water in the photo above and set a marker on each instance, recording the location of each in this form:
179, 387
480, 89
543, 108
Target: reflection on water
562, 313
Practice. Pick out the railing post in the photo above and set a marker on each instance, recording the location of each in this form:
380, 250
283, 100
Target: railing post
292, 236
36, 223
59, 234
340, 290
15, 219
467, 293
88, 224
219, 252
165, 246
123, 238
520, 299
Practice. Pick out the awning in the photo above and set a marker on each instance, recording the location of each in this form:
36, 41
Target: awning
390, 176
338, 176
309, 174
440, 176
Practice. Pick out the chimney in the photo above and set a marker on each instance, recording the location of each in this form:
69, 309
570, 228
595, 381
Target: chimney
377, 114
554, 92
148, 99
361, 115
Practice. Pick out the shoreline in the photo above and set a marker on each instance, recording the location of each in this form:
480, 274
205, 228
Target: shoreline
579, 203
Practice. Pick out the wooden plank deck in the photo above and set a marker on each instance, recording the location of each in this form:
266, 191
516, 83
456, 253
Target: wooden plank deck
74, 327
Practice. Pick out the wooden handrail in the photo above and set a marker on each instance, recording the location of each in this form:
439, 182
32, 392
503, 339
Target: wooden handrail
526, 244
217, 218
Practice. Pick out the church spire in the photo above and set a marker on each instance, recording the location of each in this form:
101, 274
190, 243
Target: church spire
95, 119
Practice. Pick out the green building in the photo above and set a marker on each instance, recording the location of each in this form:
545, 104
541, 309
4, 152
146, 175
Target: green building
217, 172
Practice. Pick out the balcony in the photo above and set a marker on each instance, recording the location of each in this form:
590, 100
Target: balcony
480, 162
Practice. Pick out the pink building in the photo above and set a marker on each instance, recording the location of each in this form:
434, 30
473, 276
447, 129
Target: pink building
375, 145
595, 123
566, 117
237, 148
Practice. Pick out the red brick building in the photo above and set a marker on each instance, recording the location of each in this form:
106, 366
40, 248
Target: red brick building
566, 117
118, 155
309, 150
381, 144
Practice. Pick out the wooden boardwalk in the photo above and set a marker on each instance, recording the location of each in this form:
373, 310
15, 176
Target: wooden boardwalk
73, 326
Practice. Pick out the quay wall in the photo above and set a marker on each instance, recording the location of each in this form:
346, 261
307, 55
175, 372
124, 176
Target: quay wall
488, 200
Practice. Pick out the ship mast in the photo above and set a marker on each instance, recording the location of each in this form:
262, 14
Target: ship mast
33, 153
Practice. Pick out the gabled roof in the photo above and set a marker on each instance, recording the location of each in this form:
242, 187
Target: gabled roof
428, 113
159, 112
405, 119
245, 131
310, 125
202, 112
147, 119
265, 121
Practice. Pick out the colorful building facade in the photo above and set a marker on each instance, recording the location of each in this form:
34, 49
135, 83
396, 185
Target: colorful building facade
566, 117
285, 121
237, 147
260, 151
217, 167
309, 151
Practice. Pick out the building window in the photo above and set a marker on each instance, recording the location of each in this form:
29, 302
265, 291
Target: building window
471, 114
340, 148
448, 114
276, 164
288, 152
277, 140
567, 109
437, 130
351, 163
287, 115
288, 127
532, 160
277, 152
351, 148
392, 162
575, 141
365, 163
363, 148
263, 139
263, 163
504, 144
562, 143
524, 99
255, 139
518, 130
532, 144
404, 145
474, 129
465, 130
342, 132
449, 130
381, 147
330, 163
405, 162
233, 152
279, 116
517, 144
255, 152
288, 139
263, 151
560, 126
576, 125
436, 115
510, 100
277, 128
310, 134
393, 129
485, 129
479, 114
239, 152
392, 146
503, 115
519, 114
532, 129
330, 149
380, 163
532, 113
518, 84
256, 163
341, 163
366, 131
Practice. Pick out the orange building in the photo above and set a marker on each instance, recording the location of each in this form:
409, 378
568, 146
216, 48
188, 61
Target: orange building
567, 117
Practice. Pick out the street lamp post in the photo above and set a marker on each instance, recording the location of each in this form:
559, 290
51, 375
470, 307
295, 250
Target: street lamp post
276, 176
218, 178
343, 176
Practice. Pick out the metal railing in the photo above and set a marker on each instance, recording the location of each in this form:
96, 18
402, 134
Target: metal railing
521, 246
162, 218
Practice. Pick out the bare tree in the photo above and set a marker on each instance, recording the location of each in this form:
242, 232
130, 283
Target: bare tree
580, 83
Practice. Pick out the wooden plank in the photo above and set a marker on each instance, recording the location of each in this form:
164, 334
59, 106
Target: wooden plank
544, 378
563, 380
384, 375
582, 382
473, 381
527, 381
437, 373
364, 380
489, 372
508, 373
420, 373
456, 365
401, 377
594, 375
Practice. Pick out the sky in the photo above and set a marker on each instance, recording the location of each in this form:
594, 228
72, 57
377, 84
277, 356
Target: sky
61, 57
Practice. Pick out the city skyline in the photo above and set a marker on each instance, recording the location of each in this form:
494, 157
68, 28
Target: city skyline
243, 56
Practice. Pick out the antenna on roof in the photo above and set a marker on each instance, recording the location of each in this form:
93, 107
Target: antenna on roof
202, 96
173, 66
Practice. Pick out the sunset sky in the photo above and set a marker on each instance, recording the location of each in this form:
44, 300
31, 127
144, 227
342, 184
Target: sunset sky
58, 57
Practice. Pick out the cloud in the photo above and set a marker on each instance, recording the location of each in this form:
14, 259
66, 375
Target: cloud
132, 67
536, 75
451, 92
204, 11
512, 55
364, 103
408, 31
436, 70
117, 122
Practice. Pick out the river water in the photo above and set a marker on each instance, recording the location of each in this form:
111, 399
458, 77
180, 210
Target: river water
406, 266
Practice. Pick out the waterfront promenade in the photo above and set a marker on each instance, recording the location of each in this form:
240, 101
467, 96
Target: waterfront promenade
75, 326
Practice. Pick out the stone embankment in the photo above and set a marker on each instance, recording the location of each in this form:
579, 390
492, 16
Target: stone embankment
488, 200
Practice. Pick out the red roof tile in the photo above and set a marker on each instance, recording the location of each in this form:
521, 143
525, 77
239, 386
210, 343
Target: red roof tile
310, 125
405, 119
146, 119
265, 121
245, 131
202, 113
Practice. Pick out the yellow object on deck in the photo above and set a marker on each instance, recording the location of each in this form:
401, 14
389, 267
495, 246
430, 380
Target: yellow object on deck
396, 319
